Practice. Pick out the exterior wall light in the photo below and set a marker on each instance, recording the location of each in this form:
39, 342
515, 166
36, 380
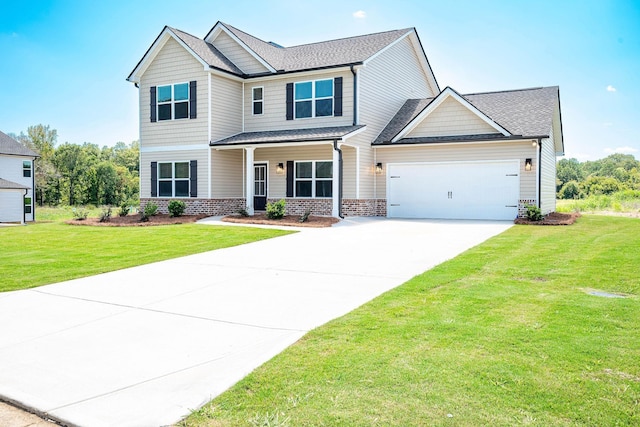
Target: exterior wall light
280, 169
534, 143
378, 168
527, 165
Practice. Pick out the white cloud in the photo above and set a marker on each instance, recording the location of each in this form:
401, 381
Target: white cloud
622, 150
360, 14
611, 88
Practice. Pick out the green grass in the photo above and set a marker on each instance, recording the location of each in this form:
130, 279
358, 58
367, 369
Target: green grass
623, 201
505, 334
44, 253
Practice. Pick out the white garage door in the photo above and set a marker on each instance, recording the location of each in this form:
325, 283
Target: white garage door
11, 206
460, 190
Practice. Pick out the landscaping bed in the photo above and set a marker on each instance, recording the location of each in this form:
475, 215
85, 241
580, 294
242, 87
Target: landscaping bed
554, 218
287, 220
134, 220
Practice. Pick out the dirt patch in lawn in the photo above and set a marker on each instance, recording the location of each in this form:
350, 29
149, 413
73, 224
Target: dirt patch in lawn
554, 218
134, 221
288, 220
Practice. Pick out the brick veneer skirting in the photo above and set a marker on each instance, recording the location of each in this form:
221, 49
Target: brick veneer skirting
321, 207
522, 206
211, 207
364, 207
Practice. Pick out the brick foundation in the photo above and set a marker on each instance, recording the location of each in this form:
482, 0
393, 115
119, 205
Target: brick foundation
364, 207
522, 206
213, 207
320, 207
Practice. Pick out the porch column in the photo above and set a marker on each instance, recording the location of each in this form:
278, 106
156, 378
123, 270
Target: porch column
250, 180
335, 211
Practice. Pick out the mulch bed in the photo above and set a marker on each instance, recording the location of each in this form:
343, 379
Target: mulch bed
288, 220
134, 220
554, 218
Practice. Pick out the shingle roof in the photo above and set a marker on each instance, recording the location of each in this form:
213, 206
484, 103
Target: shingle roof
524, 112
10, 146
207, 52
292, 135
350, 50
9, 185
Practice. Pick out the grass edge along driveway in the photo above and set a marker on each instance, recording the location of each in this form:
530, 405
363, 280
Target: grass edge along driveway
504, 334
45, 253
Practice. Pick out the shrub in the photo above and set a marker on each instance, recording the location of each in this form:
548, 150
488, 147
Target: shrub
150, 209
534, 213
571, 190
305, 216
276, 210
80, 214
176, 208
242, 212
124, 209
105, 214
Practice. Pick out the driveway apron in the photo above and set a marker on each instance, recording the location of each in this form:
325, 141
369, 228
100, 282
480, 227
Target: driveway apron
146, 345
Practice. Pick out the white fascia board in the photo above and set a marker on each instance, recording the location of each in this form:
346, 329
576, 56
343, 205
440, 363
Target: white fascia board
424, 61
275, 145
229, 76
155, 49
353, 133
428, 144
220, 28
448, 92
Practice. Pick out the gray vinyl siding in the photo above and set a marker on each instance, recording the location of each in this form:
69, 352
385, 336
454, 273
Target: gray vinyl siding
227, 173
11, 201
548, 176
459, 153
173, 156
226, 107
238, 55
274, 115
173, 64
385, 84
451, 118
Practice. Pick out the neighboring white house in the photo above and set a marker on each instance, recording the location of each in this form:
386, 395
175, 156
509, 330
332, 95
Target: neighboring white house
355, 126
17, 181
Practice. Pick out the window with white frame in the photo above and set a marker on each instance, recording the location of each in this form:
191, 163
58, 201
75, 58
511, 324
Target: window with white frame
257, 96
173, 101
313, 98
173, 179
27, 205
26, 168
313, 178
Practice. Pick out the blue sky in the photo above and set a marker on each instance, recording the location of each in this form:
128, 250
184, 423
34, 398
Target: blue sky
64, 63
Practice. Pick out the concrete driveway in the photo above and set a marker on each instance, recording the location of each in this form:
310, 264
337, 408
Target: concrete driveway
146, 345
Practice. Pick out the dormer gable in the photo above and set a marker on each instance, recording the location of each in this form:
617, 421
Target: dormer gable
450, 114
238, 50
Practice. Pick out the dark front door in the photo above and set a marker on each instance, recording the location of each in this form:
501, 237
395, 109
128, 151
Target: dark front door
260, 187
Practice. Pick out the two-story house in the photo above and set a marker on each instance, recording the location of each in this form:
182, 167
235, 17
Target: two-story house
17, 181
354, 126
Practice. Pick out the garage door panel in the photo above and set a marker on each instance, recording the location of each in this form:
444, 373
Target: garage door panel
479, 190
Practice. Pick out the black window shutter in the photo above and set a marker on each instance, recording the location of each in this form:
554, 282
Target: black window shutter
193, 164
152, 105
289, 101
289, 178
193, 110
337, 96
154, 179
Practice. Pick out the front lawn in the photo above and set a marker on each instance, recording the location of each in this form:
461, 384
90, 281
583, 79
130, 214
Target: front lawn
505, 334
44, 253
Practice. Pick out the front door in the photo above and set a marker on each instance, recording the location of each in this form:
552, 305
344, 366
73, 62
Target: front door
260, 187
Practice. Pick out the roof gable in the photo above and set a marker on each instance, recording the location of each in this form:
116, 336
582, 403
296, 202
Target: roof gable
12, 147
435, 105
244, 46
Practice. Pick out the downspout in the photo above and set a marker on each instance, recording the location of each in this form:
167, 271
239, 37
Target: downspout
34, 200
335, 147
539, 183
24, 214
355, 96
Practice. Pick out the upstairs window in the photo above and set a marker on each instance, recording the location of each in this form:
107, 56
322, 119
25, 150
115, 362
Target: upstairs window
313, 99
173, 179
26, 168
257, 95
173, 101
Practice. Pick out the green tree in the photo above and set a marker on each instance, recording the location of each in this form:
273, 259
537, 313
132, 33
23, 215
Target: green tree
571, 190
42, 139
71, 162
568, 170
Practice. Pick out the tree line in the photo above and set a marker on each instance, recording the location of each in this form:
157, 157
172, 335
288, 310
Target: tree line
615, 173
73, 174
